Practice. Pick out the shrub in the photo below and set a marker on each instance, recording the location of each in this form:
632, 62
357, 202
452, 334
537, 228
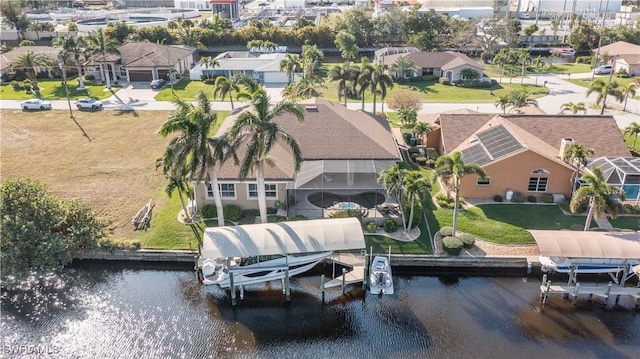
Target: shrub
414, 156
432, 153
421, 160
517, 197
209, 211
371, 227
532, 199
232, 212
584, 60
415, 79
272, 210
428, 77
209, 81
89, 77
251, 213
497, 198
348, 213
445, 201
296, 217
622, 73
431, 163
390, 225
468, 240
401, 80
444, 81
629, 208
446, 231
547, 198
452, 245
17, 86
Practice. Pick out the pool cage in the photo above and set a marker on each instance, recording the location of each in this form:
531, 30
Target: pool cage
323, 186
623, 172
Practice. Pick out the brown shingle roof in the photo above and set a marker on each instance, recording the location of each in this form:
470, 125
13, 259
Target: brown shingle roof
456, 128
49, 51
146, 54
444, 60
329, 132
619, 48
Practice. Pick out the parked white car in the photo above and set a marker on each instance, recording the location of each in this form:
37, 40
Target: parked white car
602, 70
35, 104
89, 103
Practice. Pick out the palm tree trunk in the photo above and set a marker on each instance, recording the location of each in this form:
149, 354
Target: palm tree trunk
537, 75
604, 102
80, 79
345, 94
213, 178
262, 195
635, 139
410, 216
399, 198
587, 223
455, 207
625, 106
375, 96
501, 72
362, 94
231, 99
522, 75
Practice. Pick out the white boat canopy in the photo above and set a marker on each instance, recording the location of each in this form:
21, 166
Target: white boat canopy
580, 244
283, 238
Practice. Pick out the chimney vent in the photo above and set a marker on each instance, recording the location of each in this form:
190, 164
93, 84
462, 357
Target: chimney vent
311, 108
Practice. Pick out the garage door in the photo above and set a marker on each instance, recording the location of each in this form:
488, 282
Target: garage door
163, 74
140, 75
275, 78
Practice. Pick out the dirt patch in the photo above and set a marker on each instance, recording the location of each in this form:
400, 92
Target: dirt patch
483, 248
114, 172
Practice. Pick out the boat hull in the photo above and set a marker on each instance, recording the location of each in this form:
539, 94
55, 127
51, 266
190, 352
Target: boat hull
589, 266
380, 279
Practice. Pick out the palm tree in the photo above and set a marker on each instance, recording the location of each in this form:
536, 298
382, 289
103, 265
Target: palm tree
538, 63
423, 130
209, 62
380, 81
573, 107
364, 82
344, 76
251, 85
100, 44
402, 66
452, 167
628, 90
303, 89
633, 130
72, 48
501, 60
521, 98
407, 116
576, 153
224, 86
190, 37
257, 130
177, 180
32, 62
604, 89
392, 179
290, 64
503, 102
416, 186
523, 58
193, 148
601, 197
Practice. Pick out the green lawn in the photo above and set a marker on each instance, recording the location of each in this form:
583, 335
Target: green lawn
493, 71
628, 139
432, 91
185, 89
620, 80
628, 223
54, 90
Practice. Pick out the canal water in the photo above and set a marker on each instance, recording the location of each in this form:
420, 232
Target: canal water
146, 313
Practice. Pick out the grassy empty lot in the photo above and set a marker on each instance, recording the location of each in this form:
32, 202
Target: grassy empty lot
54, 90
114, 172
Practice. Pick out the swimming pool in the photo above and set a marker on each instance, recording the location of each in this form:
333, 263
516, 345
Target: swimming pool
347, 205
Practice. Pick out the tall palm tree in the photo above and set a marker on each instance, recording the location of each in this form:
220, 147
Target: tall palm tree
501, 60
503, 102
224, 86
452, 167
423, 130
190, 37
193, 148
603, 89
601, 197
573, 107
72, 48
364, 79
524, 57
176, 180
258, 131
538, 63
303, 89
628, 90
416, 186
392, 179
633, 130
521, 98
290, 65
402, 66
209, 62
380, 82
577, 154
32, 62
100, 44
344, 76
250, 84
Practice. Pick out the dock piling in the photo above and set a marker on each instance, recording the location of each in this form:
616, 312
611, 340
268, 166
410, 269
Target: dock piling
575, 294
344, 271
232, 288
366, 269
286, 284
546, 293
322, 287
608, 290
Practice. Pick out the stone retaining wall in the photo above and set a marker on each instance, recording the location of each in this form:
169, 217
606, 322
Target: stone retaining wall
147, 255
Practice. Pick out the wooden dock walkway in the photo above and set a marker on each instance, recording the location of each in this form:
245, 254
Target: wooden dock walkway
602, 291
356, 275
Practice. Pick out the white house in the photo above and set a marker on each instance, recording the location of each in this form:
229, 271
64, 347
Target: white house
264, 67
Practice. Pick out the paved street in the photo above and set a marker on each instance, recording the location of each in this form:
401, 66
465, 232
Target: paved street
139, 97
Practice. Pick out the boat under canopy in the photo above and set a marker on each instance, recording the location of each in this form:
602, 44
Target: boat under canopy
581, 244
283, 238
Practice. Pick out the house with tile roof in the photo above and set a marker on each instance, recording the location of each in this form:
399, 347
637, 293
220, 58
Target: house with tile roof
523, 153
449, 64
343, 151
262, 66
624, 55
8, 58
141, 61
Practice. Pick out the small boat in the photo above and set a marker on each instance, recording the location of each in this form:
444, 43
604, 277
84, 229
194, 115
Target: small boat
259, 269
563, 51
380, 279
586, 265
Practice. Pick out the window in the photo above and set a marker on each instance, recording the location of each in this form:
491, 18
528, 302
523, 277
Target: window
539, 171
227, 190
123, 71
484, 181
538, 184
270, 190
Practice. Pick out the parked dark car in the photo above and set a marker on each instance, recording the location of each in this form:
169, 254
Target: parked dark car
158, 84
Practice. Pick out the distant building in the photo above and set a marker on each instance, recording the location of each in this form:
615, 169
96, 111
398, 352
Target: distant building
228, 9
576, 6
140, 3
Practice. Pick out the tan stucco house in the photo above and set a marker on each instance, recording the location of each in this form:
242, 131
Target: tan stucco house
447, 64
141, 61
624, 55
343, 152
523, 153
8, 59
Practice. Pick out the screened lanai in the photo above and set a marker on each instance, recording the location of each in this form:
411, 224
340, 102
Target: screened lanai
623, 172
324, 186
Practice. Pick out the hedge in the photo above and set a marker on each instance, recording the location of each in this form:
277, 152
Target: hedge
452, 245
371, 227
446, 231
390, 225
468, 240
232, 212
